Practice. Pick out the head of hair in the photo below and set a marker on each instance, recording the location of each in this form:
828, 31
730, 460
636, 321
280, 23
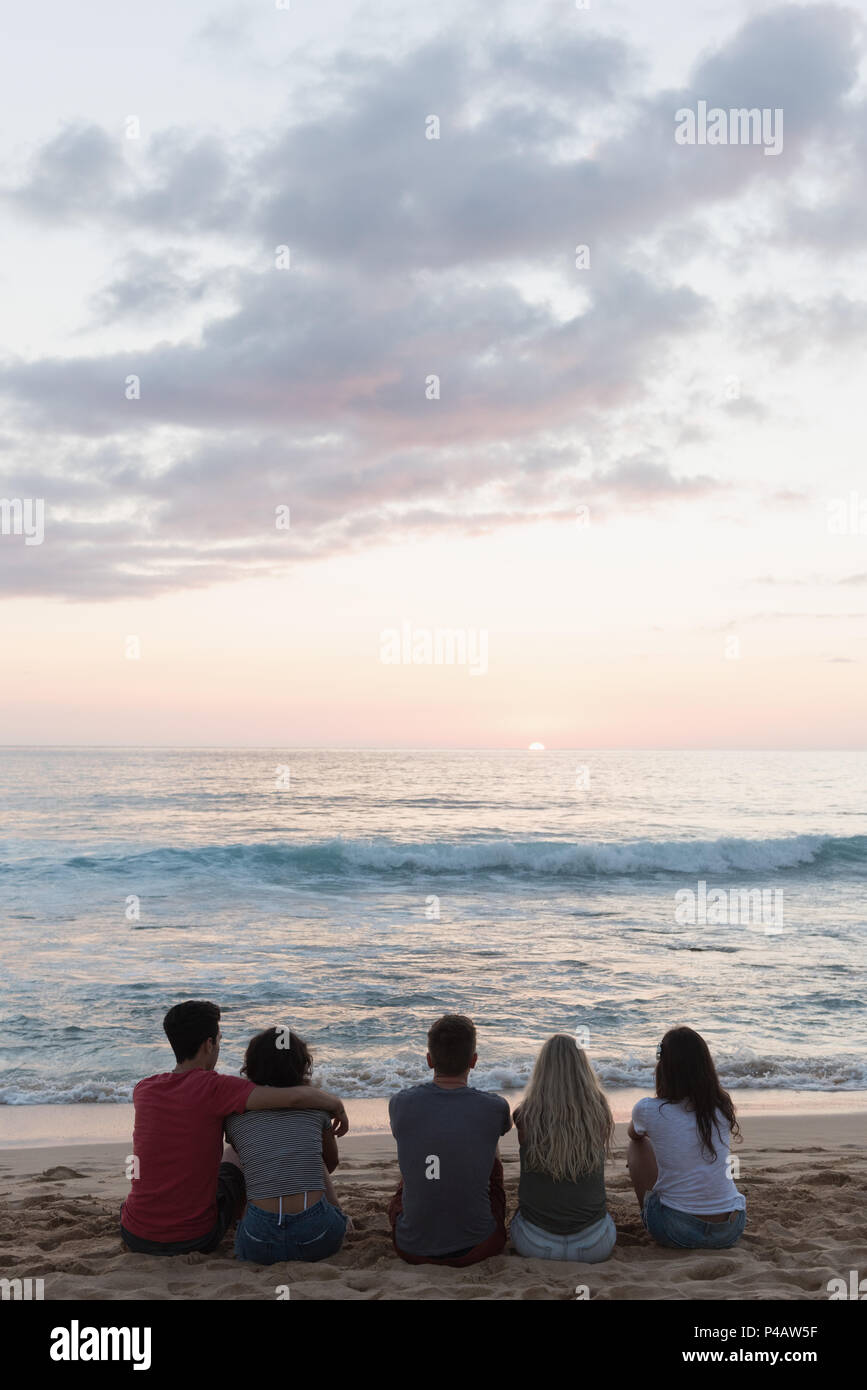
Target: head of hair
566, 1123
451, 1043
190, 1024
685, 1072
277, 1057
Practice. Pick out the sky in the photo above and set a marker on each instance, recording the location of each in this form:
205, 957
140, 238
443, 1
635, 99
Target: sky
342, 337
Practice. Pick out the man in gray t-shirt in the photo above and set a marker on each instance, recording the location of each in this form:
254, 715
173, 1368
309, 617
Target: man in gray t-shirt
450, 1207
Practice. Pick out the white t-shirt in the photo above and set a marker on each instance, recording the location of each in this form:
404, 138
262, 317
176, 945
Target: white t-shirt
689, 1179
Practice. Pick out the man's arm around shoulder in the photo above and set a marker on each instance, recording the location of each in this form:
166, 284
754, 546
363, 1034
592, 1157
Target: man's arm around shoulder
300, 1098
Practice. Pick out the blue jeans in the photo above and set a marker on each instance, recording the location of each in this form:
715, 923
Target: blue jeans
308, 1235
687, 1232
589, 1246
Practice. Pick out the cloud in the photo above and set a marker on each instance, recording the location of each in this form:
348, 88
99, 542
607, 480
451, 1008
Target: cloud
154, 283
643, 480
76, 174
411, 259
322, 354
360, 183
795, 328
803, 58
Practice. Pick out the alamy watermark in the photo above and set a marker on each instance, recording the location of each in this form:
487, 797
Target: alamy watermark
856, 1288
77, 1343
847, 516
22, 1290
441, 646
738, 126
23, 516
737, 907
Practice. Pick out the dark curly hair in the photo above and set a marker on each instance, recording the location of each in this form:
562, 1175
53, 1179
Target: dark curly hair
277, 1057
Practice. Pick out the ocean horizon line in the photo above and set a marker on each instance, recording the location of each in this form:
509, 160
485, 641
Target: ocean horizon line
432, 748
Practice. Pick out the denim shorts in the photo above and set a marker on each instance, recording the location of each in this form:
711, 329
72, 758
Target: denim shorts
308, 1235
687, 1232
589, 1246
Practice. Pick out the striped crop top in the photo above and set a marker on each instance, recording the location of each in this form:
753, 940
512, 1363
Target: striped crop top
280, 1150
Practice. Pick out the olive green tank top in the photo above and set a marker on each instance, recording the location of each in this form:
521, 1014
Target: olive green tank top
562, 1208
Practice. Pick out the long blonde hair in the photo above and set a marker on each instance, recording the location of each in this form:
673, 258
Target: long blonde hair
566, 1122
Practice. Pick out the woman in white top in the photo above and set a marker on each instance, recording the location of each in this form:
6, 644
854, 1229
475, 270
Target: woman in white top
678, 1157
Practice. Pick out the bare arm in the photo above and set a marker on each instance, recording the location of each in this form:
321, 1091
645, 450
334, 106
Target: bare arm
299, 1098
329, 1150
632, 1134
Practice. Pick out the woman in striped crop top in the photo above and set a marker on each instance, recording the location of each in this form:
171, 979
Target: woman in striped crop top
287, 1158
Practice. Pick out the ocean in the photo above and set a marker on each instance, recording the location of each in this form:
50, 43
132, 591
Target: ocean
356, 896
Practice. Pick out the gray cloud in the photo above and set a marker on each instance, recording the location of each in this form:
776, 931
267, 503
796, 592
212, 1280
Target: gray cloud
319, 353
81, 172
155, 283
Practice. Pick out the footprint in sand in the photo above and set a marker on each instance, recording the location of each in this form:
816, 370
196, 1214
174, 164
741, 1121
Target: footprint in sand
827, 1179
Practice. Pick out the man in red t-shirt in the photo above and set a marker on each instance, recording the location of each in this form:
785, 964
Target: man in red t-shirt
186, 1188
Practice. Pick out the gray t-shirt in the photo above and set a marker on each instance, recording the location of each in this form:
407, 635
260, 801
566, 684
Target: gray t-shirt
446, 1147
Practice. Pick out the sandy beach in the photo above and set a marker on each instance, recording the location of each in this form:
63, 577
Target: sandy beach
804, 1177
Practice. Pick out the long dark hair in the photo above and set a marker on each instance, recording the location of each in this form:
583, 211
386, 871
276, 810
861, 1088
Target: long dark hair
685, 1072
277, 1057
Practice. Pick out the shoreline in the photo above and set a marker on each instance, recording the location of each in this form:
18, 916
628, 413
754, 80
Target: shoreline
62, 1126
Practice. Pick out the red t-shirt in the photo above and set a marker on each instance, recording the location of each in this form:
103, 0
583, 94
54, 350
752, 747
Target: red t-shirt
178, 1141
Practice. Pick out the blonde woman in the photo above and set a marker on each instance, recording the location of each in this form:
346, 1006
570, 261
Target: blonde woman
565, 1129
